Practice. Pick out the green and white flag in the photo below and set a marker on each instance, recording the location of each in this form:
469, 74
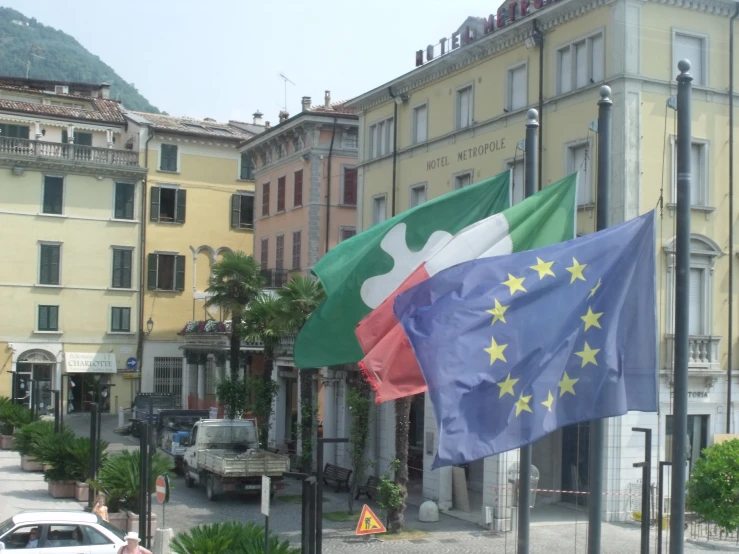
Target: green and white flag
392, 249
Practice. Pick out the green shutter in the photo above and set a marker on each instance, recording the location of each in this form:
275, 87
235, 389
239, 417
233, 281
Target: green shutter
119, 201
43, 318
44, 265
130, 191
126, 319
181, 205
179, 278
154, 205
124, 193
117, 268
65, 136
236, 210
54, 265
126, 268
152, 260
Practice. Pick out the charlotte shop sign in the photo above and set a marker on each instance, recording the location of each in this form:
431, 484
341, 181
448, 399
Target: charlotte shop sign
468, 153
86, 362
508, 13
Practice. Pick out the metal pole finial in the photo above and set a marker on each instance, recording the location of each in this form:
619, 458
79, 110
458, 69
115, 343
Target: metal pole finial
532, 116
605, 95
684, 67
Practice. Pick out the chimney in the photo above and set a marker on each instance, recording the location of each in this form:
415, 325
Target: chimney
266, 125
283, 115
328, 99
257, 117
104, 91
306, 103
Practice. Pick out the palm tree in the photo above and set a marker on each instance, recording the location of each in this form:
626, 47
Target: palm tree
298, 299
234, 282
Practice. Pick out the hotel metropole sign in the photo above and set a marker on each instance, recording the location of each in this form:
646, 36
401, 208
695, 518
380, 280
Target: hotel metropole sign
482, 149
507, 14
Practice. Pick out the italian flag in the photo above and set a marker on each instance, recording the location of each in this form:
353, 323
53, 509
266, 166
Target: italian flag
546, 218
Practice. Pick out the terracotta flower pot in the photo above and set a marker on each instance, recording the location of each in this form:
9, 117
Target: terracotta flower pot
29, 464
47, 467
119, 520
61, 489
6, 442
81, 491
133, 523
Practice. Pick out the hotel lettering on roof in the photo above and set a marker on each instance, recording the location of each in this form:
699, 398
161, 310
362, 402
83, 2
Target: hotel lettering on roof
459, 117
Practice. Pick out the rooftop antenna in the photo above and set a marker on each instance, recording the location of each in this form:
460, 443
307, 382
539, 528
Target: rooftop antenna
286, 82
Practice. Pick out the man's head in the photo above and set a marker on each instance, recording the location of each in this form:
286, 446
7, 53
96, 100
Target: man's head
34, 534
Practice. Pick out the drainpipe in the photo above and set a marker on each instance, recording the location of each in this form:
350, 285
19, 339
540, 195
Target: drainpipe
731, 214
541, 100
142, 259
328, 185
395, 148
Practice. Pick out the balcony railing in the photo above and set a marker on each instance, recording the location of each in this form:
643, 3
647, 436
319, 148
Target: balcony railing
62, 151
702, 352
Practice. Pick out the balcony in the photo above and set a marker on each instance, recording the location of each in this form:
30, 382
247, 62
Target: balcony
702, 353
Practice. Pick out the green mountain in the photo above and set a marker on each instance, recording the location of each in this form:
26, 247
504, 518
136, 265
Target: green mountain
56, 56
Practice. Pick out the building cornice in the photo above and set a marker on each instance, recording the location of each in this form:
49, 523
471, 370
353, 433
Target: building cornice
297, 124
73, 167
195, 139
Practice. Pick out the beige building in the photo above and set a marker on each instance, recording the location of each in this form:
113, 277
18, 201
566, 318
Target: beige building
459, 117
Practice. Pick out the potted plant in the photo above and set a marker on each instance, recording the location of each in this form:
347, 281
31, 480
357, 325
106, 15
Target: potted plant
12, 417
78, 464
234, 537
53, 451
25, 440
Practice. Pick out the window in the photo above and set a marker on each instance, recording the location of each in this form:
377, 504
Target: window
14, 131
48, 318
464, 107
420, 124
20, 538
698, 173
280, 252
120, 320
60, 536
379, 209
381, 138
168, 204
351, 139
693, 48
298, 190
581, 63
49, 264
578, 159
53, 195
81, 139
242, 211
122, 259
297, 247
281, 194
347, 233
517, 92
124, 196
168, 157
697, 437
166, 272
265, 199
96, 537
349, 187
462, 180
418, 195
264, 254
247, 168
518, 183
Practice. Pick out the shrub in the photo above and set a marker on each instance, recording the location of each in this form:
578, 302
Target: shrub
12, 416
713, 489
53, 450
27, 436
228, 538
78, 464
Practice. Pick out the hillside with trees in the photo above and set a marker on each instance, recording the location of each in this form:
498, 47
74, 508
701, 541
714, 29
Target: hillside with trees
28, 48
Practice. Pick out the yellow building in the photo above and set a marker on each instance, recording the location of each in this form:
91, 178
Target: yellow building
460, 117
198, 204
70, 228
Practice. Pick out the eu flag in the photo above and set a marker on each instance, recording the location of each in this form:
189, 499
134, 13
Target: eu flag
514, 347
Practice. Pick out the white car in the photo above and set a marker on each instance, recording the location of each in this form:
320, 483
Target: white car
60, 533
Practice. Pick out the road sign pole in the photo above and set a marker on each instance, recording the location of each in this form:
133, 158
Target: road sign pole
266, 492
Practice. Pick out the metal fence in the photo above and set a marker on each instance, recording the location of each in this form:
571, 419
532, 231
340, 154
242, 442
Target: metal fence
168, 377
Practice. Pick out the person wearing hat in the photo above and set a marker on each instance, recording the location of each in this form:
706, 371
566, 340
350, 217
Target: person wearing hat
132, 545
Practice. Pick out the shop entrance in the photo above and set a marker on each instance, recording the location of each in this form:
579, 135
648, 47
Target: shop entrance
84, 389
34, 376
575, 463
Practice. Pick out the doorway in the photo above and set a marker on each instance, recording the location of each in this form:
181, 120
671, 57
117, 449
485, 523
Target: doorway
84, 389
35, 371
575, 463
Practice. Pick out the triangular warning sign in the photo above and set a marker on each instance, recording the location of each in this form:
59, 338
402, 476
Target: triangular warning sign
369, 523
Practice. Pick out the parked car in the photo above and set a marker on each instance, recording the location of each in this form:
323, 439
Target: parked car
64, 532
172, 427
146, 407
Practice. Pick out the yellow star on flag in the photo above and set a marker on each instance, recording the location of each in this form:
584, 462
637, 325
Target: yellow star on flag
588, 355
522, 404
498, 312
544, 268
496, 351
548, 402
514, 283
566, 385
506, 387
591, 319
576, 270
595, 288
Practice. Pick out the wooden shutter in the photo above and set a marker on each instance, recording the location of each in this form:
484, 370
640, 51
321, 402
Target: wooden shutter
45, 265
181, 206
350, 186
179, 279
54, 265
281, 194
298, 192
297, 247
118, 268
65, 136
127, 268
152, 262
154, 204
265, 199
124, 193
264, 254
280, 252
236, 210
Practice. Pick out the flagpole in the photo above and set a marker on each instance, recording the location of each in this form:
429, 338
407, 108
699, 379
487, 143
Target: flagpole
682, 307
598, 426
524, 478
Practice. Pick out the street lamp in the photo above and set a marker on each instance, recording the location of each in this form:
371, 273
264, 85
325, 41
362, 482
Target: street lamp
149, 326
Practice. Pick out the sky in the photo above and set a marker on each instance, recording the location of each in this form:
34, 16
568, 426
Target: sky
223, 58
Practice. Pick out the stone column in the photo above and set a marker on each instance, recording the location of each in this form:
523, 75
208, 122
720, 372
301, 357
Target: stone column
185, 382
242, 366
70, 134
218, 374
109, 138
227, 367
37, 131
329, 414
202, 360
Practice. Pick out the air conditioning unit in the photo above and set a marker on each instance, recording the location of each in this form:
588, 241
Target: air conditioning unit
60, 89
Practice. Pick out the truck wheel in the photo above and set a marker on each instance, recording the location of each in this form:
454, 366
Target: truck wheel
189, 481
210, 489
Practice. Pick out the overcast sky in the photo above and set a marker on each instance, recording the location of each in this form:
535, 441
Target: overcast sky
222, 58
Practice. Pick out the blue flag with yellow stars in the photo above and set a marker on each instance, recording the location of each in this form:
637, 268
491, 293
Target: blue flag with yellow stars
514, 347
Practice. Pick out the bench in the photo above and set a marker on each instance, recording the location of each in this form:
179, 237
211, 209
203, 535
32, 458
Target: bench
369, 490
340, 475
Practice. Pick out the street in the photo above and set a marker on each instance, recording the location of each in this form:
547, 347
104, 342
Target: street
189, 507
